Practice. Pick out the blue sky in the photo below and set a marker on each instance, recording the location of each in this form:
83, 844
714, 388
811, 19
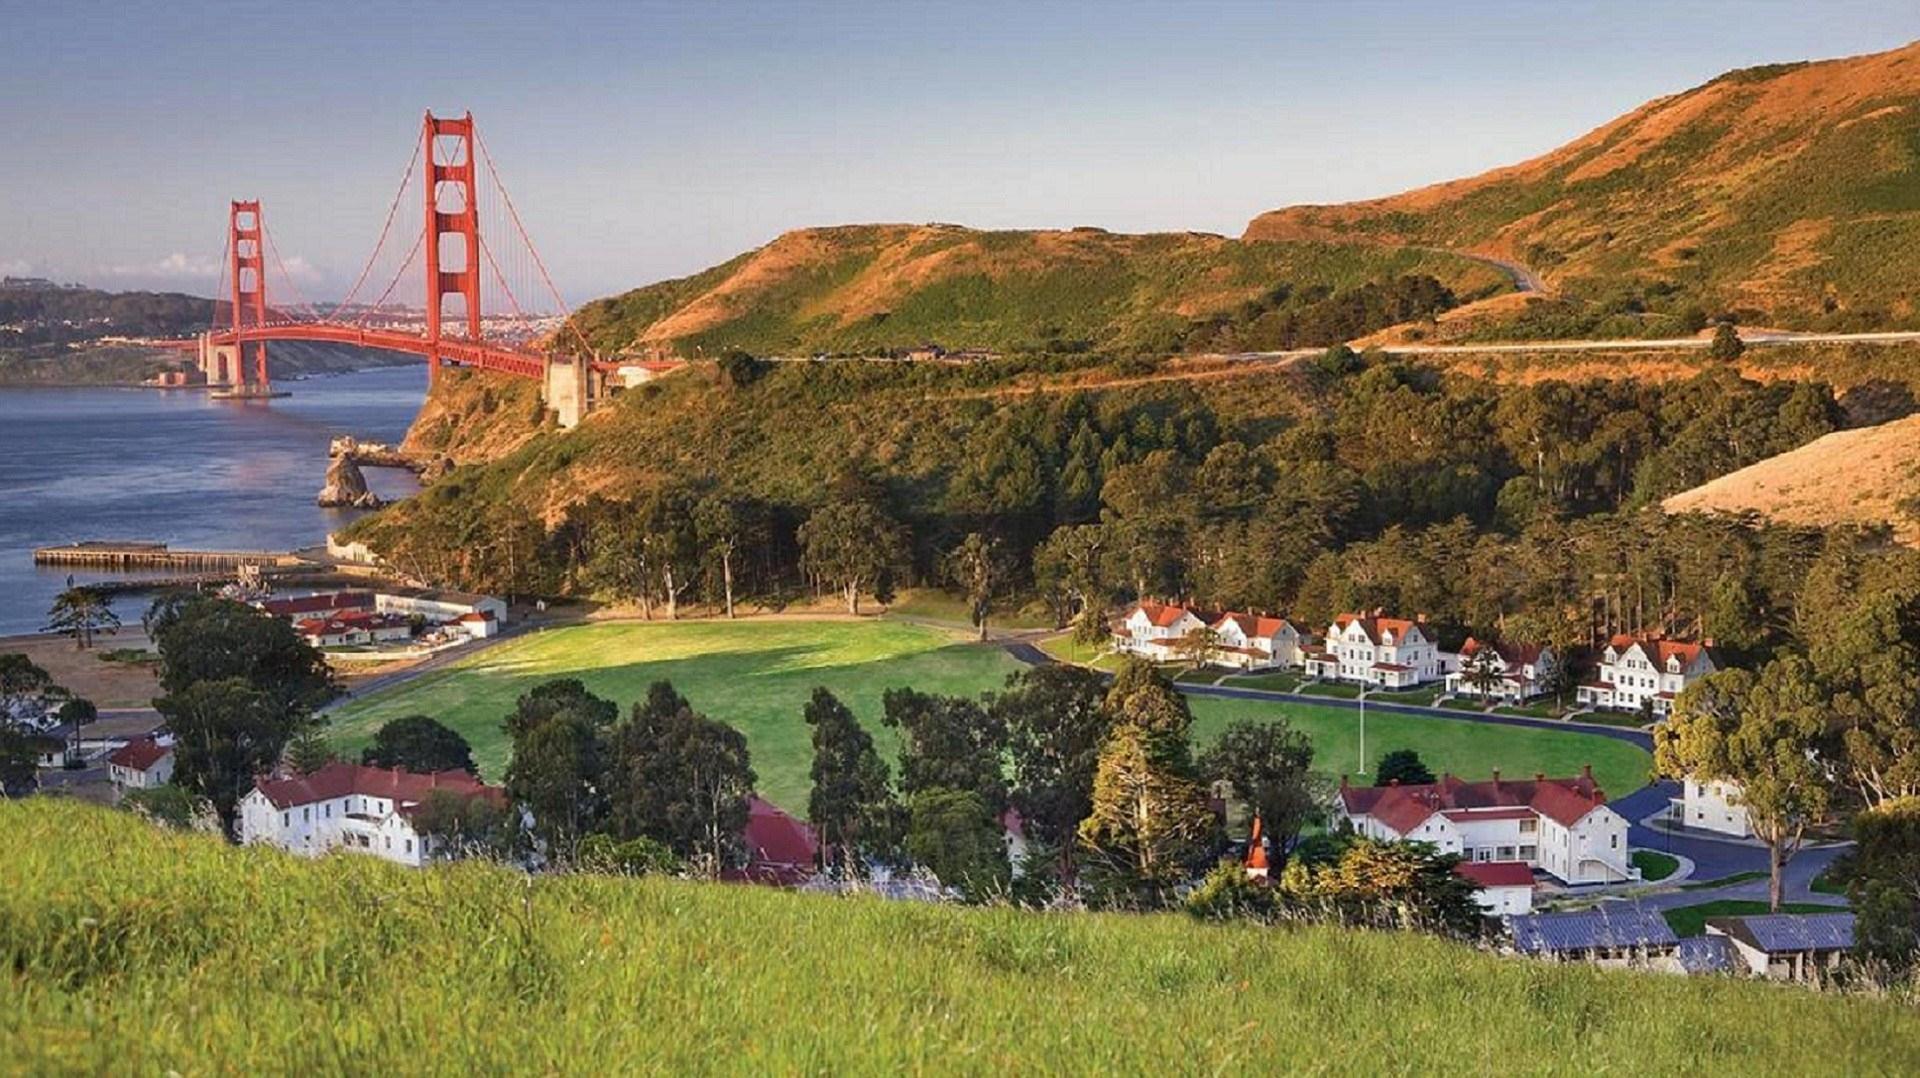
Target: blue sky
644, 141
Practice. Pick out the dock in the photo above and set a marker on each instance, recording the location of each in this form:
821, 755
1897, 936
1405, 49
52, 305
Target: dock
141, 555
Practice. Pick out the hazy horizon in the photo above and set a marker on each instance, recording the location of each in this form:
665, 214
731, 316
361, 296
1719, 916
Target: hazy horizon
643, 142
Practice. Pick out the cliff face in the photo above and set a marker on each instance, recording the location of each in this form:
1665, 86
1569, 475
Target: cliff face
471, 416
346, 487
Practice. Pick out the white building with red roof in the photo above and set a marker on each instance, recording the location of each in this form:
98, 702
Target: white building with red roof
1372, 649
1154, 630
351, 807
140, 764
1520, 671
1560, 826
1646, 671
1502, 888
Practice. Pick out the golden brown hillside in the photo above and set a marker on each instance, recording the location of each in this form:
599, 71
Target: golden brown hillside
1789, 194
1847, 477
865, 289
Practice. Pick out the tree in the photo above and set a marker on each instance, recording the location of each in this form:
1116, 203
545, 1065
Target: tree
1392, 885
1403, 766
851, 804
1148, 823
20, 748
25, 691
309, 751
1070, 568
635, 857
204, 638
1142, 698
954, 835
725, 526
168, 804
947, 742
455, 824
1727, 345
420, 744
557, 774
81, 612
1056, 720
1483, 671
976, 566
682, 779
1883, 886
1199, 646
853, 545
669, 544
1268, 765
226, 731
1764, 734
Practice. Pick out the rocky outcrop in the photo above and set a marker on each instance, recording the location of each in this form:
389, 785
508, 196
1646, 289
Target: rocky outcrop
346, 488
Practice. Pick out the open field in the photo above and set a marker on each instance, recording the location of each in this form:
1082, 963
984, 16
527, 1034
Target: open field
757, 675
107, 684
1692, 920
131, 950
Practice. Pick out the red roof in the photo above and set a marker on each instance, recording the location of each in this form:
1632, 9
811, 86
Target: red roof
1496, 873
477, 615
1252, 625
780, 848
1374, 625
341, 779
1163, 615
1403, 808
1513, 655
139, 755
1660, 648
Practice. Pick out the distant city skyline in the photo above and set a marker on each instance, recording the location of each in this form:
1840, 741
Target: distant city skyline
646, 141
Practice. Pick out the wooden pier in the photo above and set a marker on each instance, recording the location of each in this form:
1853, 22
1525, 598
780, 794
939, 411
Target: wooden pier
136, 555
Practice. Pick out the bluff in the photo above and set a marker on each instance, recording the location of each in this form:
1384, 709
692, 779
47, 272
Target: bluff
1787, 194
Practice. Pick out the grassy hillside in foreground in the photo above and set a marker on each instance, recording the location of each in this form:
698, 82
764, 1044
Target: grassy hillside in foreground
757, 675
129, 950
1869, 476
1791, 192
866, 289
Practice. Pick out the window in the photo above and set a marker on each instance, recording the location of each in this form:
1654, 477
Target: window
1613, 842
409, 846
1529, 853
306, 815
1527, 826
286, 819
1506, 853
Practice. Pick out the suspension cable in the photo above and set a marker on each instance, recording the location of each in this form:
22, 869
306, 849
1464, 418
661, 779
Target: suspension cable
538, 262
392, 209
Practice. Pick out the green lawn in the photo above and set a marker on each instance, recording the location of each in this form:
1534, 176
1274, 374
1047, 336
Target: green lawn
1332, 688
1270, 682
1546, 710
755, 674
1827, 883
1468, 749
1458, 704
937, 605
1420, 697
1692, 920
1738, 877
1610, 718
1654, 866
1064, 648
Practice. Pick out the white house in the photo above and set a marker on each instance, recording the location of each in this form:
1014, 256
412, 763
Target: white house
1638, 671
478, 624
1502, 888
352, 807
435, 605
1560, 826
1712, 806
1256, 641
1370, 649
1154, 630
1522, 670
140, 765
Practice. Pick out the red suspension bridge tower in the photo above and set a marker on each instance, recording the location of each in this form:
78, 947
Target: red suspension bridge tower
458, 261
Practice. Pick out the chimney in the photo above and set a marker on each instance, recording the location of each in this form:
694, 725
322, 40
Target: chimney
1343, 782
1539, 776
1393, 782
1706, 641
1586, 772
1496, 778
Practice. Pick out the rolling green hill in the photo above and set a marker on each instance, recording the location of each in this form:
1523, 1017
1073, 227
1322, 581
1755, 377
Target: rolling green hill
867, 289
130, 950
1788, 194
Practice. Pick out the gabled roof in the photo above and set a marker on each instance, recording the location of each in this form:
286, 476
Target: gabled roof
1402, 808
139, 755
1610, 926
317, 604
1659, 649
1784, 933
1375, 625
339, 779
1513, 655
780, 847
1163, 615
1253, 625
1496, 873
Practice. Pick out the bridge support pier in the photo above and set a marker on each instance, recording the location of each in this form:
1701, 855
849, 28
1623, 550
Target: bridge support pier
563, 386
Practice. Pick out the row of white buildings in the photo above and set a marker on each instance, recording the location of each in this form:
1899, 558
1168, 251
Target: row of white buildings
1374, 649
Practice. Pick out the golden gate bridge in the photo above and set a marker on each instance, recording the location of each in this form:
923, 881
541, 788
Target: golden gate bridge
457, 262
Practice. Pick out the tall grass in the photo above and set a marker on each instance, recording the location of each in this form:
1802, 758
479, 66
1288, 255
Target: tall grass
132, 950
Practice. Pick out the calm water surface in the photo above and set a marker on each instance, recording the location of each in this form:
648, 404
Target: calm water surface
110, 463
